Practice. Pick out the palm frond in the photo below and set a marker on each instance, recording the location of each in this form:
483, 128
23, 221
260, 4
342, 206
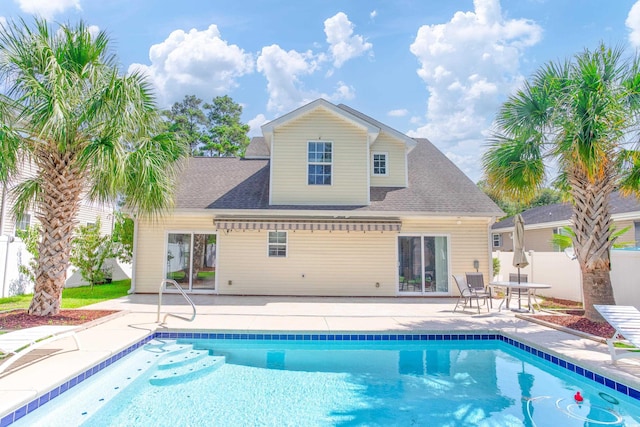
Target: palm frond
26, 195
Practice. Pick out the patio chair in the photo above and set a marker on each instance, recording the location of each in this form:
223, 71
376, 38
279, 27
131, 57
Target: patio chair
467, 294
513, 277
476, 282
18, 344
625, 319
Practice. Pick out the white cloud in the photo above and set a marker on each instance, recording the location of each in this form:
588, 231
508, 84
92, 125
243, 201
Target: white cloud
633, 23
373, 14
469, 66
255, 123
285, 70
199, 62
47, 8
343, 44
398, 113
3, 20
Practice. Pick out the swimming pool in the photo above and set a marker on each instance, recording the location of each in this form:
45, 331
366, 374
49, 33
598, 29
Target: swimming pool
335, 379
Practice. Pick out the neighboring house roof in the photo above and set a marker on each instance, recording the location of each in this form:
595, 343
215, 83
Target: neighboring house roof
257, 149
542, 216
436, 187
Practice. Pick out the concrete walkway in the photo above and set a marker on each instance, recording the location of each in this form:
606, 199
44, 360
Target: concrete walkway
138, 315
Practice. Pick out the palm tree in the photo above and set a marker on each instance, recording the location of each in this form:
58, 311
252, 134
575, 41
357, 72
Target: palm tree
89, 130
575, 120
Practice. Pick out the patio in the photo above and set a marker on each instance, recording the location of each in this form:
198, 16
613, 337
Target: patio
323, 314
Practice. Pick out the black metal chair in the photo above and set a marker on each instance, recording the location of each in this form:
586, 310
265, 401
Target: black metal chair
467, 294
476, 282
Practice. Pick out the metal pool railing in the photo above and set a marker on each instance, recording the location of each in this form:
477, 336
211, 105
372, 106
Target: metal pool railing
184, 294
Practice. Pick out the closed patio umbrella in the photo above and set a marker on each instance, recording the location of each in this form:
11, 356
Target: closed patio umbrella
519, 257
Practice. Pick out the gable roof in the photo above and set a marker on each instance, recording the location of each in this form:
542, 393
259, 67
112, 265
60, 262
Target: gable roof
372, 126
560, 213
410, 142
436, 187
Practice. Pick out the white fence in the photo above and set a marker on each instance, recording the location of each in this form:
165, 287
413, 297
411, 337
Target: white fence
563, 274
13, 254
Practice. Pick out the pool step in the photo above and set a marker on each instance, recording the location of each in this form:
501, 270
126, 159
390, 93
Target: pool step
188, 371
182, 358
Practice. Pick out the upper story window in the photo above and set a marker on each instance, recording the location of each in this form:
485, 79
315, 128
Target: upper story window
277, 243
320, 162
23, 222
380, 164
497, 240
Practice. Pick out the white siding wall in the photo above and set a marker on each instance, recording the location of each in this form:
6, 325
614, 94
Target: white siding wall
396, 159
151, 256
289, 162
468, 242
318, 263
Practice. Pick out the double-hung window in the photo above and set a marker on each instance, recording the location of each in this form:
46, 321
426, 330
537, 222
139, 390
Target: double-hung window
497, 240
380, 164
277, 243
22, 222
320, 162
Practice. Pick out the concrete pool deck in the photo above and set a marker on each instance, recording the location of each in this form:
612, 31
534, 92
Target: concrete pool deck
138, 314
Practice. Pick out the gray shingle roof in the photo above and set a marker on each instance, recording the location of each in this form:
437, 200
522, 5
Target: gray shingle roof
257, 149
436, 187
562, 211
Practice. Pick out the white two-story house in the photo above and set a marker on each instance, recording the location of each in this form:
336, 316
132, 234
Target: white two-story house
327, 202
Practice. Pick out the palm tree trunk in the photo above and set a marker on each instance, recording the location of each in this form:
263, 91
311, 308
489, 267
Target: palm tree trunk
592, 225
57, 210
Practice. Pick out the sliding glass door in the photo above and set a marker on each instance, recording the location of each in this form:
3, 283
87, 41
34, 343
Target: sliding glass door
191, 260
423, 264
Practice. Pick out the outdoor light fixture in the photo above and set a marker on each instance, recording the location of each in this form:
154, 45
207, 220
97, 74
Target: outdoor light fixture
476, 264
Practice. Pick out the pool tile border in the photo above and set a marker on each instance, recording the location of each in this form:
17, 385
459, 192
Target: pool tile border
55, 392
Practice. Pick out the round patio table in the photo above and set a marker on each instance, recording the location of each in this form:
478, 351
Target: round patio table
530, 288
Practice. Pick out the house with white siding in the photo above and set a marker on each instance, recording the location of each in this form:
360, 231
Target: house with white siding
541, 223
328, 202
13, 252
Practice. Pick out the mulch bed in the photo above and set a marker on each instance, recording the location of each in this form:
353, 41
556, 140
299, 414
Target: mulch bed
579, 323
19, 319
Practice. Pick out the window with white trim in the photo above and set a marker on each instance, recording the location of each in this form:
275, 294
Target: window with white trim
22, 222
319, 162
379, 166
497, 240
277, 243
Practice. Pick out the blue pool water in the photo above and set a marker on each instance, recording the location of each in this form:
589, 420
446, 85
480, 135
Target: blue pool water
241, 382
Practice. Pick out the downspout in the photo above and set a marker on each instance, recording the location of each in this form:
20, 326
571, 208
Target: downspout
3, 202
132, 289
3, 206
491, 274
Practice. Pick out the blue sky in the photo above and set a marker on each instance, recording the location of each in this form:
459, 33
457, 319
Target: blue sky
434, 69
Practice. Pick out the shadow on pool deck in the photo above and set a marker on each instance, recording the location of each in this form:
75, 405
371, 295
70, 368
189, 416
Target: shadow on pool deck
273, 313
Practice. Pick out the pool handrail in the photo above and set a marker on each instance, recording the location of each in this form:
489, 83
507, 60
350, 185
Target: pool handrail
184, 294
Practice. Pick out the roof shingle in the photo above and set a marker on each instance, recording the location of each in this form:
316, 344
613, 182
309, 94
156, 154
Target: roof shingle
436, 187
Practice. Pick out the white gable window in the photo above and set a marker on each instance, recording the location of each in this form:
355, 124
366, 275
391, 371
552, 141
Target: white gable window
277, 243
497, 240
320, 162
379, 166
23, 222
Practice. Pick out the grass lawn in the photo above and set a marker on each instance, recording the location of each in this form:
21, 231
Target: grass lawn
74, 297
